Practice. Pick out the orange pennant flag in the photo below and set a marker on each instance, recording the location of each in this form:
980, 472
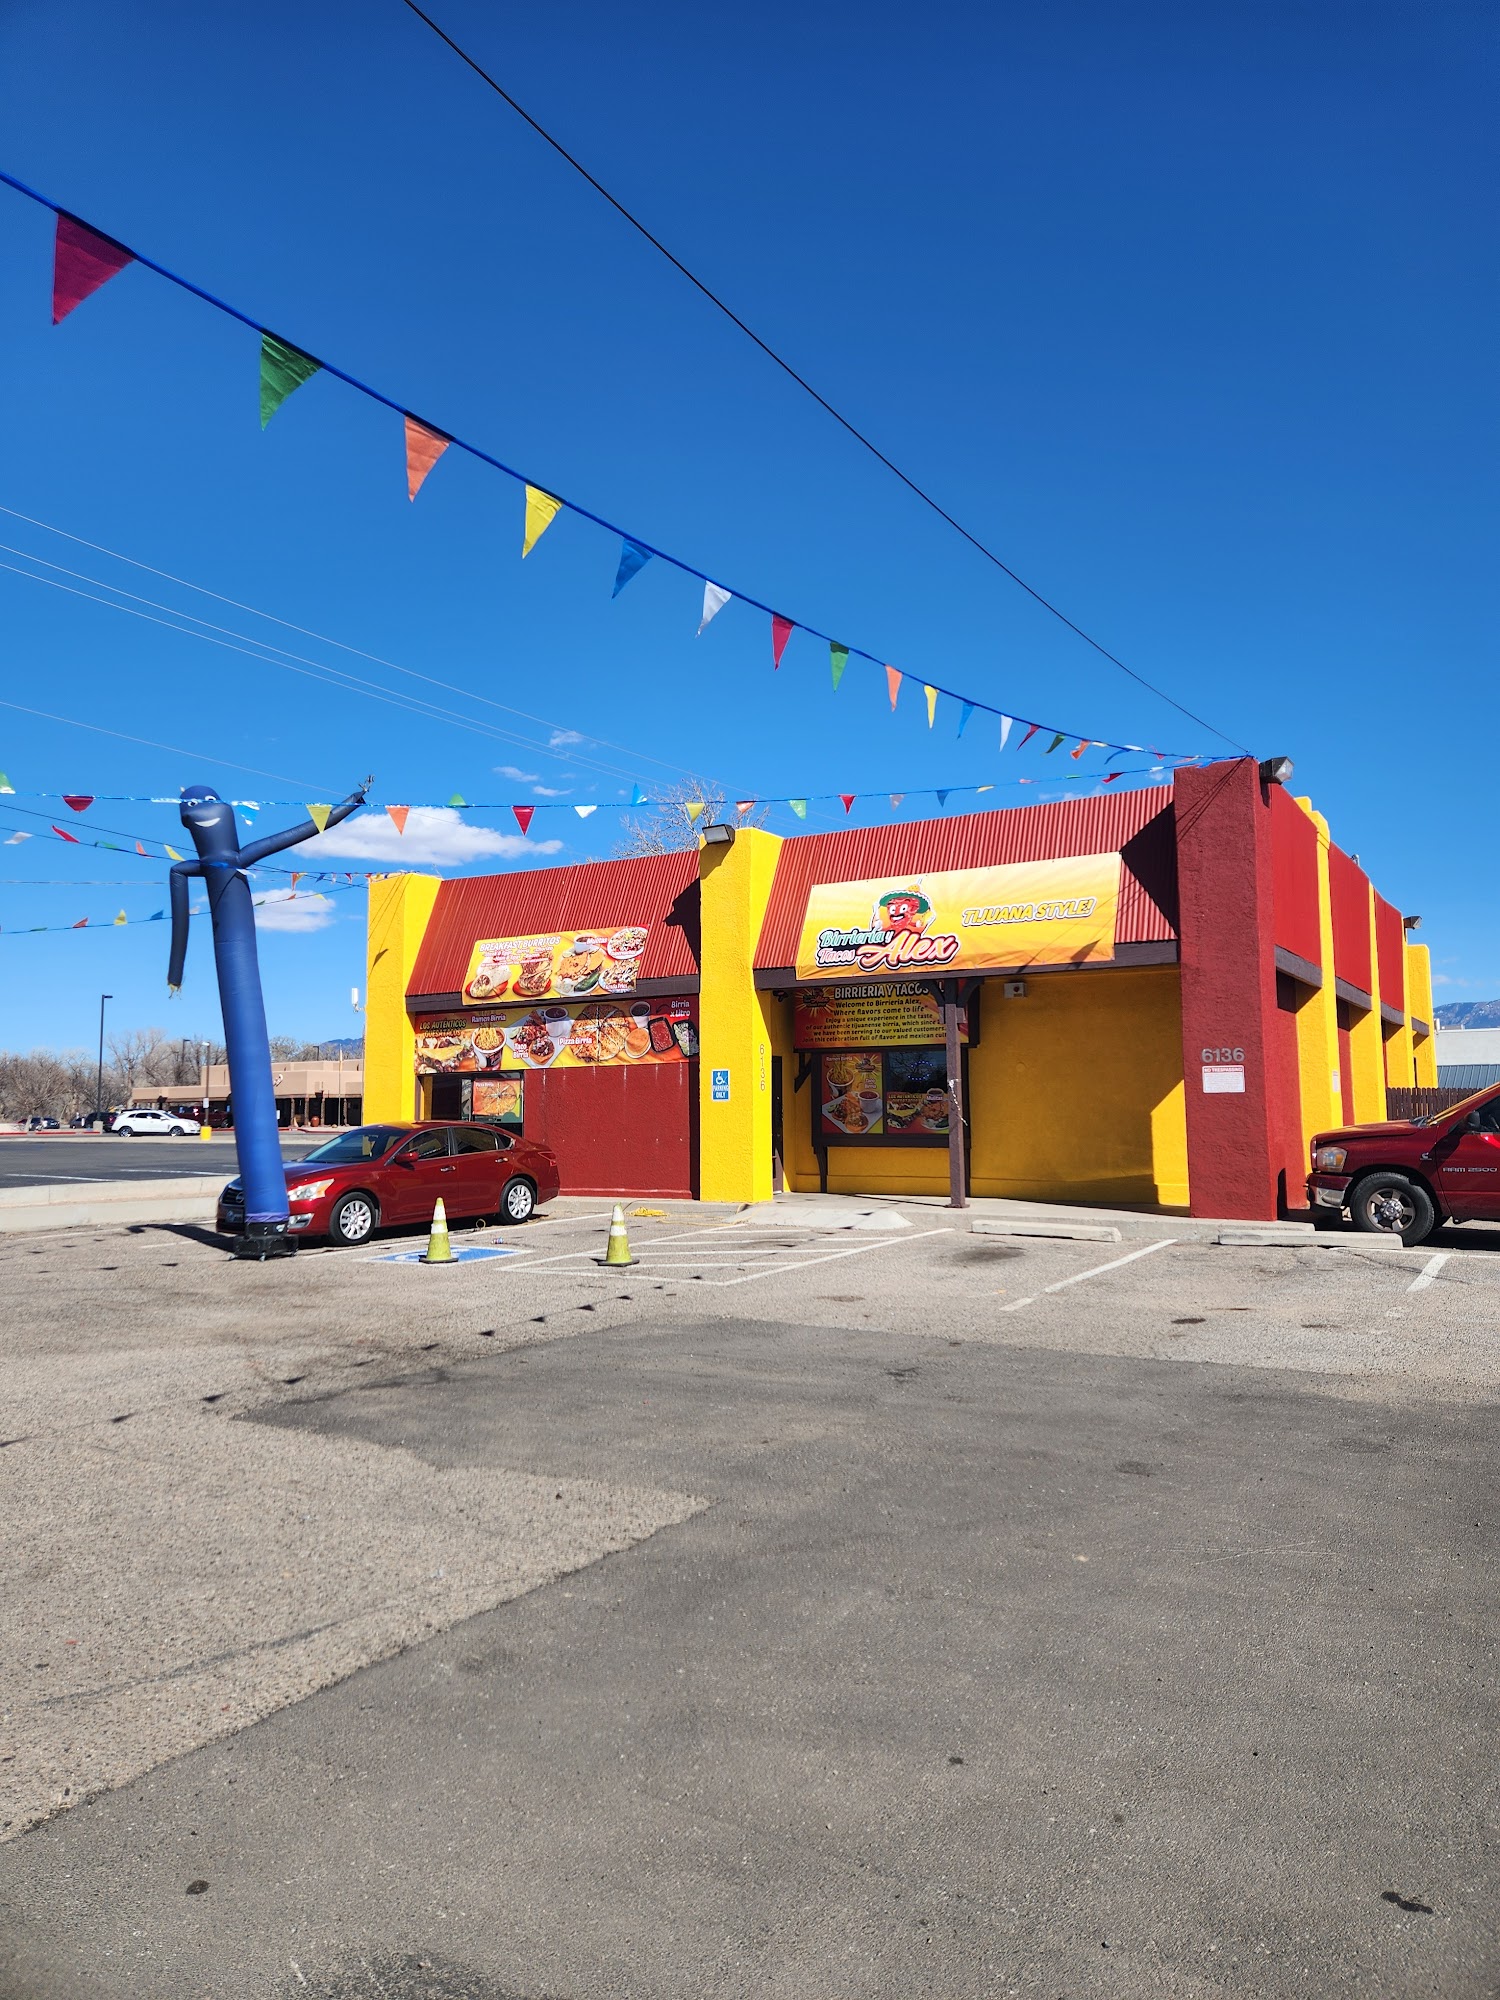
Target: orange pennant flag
297, 874
424, 447
893, 683
398, 815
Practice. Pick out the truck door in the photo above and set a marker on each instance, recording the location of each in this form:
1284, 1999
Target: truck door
1468, 1166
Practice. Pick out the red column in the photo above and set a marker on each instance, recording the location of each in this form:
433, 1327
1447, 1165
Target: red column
1230, 1031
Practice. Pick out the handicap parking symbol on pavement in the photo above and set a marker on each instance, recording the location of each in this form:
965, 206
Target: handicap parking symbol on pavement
471, 1253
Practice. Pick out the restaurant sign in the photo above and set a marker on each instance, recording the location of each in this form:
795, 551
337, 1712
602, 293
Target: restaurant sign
555, 966
963, 920
560, 1035
874, 1014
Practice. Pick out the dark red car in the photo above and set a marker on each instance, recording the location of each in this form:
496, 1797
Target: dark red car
1408, 1177
381, 1176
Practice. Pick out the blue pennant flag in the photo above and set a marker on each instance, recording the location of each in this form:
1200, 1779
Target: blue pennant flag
966, 709
637, 796
156, 916
942, 798
632, 558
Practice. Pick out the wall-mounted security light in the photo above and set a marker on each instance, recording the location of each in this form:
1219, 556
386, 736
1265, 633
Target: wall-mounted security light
1411, 923
717, 835
1276, 770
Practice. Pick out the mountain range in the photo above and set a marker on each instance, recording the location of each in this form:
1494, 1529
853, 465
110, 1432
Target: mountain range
1468, 1014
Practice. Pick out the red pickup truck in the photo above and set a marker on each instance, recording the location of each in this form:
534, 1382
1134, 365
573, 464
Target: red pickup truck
1409, 1177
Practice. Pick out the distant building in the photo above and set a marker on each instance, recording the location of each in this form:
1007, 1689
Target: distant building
1468, 1058
330, 1092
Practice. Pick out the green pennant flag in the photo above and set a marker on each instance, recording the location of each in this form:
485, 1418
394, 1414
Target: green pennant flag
1053, 744
838, 659
5, 783
799, 807
282, 369
458, 799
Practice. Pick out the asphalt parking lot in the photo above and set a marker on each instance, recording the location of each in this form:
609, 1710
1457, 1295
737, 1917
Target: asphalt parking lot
41, 1159
824, 1604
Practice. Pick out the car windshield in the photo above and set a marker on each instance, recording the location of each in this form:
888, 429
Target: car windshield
368, 1142
1460, 1110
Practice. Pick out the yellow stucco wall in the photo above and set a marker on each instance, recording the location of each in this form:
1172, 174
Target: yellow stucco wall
1419, 1005
735, 1026
400, 906
1317, 1016
1075, 1094
1367, 1044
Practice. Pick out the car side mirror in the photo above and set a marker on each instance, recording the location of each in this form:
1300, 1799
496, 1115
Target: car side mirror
1474, 1122
406, 1160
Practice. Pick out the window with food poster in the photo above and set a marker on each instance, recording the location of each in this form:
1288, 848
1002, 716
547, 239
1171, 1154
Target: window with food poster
883, 1097
556, 966
577, 1034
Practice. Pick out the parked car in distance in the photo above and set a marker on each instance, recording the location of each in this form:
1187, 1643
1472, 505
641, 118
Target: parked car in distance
144, 1121
1410, 1176
381, 1176
37, 1123
89, 1121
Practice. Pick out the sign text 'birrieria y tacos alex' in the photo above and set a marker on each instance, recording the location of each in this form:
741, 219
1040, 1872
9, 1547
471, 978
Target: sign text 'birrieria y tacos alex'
958, 920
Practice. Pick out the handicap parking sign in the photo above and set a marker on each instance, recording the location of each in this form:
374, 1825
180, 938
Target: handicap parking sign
719, 1082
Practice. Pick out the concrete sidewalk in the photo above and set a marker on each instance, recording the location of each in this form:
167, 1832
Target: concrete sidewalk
85, 1204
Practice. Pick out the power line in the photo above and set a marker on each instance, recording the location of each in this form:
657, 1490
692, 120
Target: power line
802, 382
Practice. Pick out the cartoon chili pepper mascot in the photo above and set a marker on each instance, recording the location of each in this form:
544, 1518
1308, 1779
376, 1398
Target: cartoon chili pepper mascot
222, 862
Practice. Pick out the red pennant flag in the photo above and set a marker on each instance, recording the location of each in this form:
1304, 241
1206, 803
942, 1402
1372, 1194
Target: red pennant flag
141, 850
81, 924
848, 798
398, 815
781, 631
743, 805
523, 816
1028, 736
82, 261
893, 683
63, 834
1076, 754
1112, 776
297, 874
424, 447
79, 801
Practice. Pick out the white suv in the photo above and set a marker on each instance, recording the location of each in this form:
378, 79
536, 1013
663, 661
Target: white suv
144, 1122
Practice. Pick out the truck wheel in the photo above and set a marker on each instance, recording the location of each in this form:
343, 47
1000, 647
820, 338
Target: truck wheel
1388, 1204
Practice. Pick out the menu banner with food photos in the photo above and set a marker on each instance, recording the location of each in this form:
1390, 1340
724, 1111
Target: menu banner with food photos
499, 1099
558, 966
877, 1013
960, 920
574, 1034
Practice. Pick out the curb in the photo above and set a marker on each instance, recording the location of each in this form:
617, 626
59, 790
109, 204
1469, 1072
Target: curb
1073, 1232
98, 1204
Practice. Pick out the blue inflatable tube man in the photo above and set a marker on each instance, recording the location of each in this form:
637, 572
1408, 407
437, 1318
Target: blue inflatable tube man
222, 862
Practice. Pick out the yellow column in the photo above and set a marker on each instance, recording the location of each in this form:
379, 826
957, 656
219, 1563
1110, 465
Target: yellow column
1419, 1007
734, 1029
1366, 1049
1318, 1016
400, 906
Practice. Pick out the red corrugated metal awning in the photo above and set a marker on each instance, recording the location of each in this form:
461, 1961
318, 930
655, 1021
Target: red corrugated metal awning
1137, 825
659, 890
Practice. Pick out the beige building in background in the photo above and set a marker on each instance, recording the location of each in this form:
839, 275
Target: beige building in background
328, 1092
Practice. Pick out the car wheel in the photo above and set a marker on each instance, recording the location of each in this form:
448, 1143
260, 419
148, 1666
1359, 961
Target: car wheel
353, 1220
517, 1201
126, 1131
1389, 1204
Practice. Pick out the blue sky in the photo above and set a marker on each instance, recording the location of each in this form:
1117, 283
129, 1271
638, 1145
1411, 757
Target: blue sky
1188, 312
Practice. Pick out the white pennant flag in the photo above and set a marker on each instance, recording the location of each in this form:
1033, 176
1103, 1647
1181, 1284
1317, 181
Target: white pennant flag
1004, 729
714, 600
584, 811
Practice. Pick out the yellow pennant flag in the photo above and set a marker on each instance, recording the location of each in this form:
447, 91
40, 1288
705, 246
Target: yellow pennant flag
122, 918
694, 810
540, 509
931, 694
319, 816
173, 852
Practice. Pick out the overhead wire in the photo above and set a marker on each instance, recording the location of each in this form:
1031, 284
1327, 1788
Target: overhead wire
802, 382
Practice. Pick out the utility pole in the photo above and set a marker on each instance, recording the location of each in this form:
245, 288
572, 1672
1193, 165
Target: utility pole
99, 1072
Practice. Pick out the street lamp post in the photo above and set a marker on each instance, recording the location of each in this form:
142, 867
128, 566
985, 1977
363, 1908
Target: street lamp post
99, 1072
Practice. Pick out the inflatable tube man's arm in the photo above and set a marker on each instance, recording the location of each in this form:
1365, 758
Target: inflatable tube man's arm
294, 835
179, 885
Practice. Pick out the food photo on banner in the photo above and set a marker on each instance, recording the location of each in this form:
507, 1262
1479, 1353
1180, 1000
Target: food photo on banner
555, 966
560, 1034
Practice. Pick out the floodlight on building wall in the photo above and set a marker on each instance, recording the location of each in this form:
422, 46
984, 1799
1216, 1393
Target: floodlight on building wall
717, 835
1276, 770
1411, 923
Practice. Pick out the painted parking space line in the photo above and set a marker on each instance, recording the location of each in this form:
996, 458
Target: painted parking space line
770, 1261
1428, 1273
1094, 1271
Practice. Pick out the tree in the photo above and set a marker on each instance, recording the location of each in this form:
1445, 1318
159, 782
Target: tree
665, 826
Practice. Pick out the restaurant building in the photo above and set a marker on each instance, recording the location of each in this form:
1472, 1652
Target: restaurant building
1146, 998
